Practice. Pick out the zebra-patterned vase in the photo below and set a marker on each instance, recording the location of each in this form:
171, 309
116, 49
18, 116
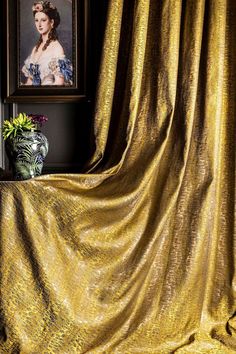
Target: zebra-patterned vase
26, 153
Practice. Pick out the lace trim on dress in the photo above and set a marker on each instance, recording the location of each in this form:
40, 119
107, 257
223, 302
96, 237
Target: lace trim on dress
38, 71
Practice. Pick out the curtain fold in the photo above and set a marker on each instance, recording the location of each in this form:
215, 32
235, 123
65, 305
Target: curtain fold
138, 254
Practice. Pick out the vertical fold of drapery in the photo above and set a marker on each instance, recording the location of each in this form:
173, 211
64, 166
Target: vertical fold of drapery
137, 255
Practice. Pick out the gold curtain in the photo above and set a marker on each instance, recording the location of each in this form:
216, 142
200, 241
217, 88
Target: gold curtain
137, 255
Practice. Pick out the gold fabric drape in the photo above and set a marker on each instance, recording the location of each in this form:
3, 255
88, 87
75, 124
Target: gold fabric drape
138, 255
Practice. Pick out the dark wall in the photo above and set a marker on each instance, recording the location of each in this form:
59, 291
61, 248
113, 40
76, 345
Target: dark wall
69, 129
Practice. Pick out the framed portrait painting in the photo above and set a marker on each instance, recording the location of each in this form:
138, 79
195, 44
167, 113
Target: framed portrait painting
46, 50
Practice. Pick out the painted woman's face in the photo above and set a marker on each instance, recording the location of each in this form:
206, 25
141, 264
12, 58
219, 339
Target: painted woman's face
43, 22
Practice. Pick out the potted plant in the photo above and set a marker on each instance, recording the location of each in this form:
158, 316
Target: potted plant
26, 145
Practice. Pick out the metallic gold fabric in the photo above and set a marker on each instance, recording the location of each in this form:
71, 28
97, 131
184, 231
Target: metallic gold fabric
138, 255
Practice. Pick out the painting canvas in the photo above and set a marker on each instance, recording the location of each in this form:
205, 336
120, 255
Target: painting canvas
46, 43
46, 47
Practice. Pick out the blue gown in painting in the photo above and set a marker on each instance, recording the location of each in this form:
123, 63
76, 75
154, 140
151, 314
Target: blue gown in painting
46, 69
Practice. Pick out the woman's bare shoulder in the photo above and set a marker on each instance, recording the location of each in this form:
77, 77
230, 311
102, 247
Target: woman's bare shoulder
33, 51
56, 48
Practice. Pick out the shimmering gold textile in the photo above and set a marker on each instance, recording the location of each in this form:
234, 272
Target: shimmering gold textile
138, 255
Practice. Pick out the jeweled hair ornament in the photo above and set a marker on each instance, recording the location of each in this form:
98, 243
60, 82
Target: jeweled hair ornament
39, 6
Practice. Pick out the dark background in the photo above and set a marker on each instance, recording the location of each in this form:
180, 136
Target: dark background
29, 35
70, 126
